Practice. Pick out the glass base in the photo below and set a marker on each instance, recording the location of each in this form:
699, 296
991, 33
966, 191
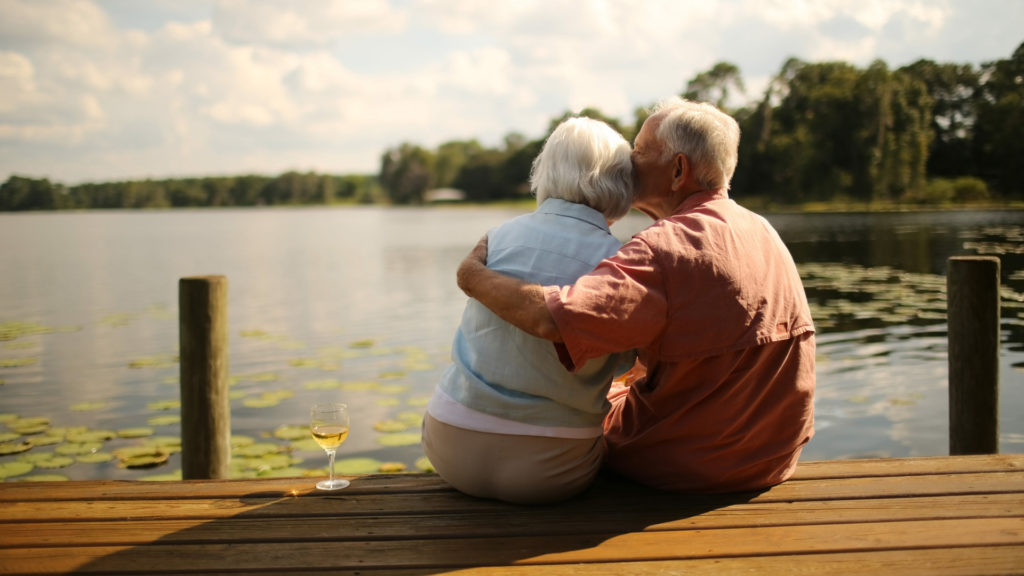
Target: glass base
336, 484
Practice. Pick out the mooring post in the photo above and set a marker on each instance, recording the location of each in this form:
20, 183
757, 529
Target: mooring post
972, 302
205, 410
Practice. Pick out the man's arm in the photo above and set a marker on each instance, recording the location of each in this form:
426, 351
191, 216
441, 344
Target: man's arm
519, 303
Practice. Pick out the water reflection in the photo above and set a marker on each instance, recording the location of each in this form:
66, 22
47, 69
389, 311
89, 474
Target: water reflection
360, 303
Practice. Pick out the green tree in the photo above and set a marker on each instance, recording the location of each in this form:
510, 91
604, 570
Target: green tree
406, 173
999, 130
952, 88
716, 85
20, 193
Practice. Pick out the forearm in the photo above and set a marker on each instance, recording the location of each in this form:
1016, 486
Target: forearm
519, 303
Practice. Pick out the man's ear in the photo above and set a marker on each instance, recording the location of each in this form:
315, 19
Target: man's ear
680, 171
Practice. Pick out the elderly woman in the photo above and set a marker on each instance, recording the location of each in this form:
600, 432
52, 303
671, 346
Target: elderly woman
507, 420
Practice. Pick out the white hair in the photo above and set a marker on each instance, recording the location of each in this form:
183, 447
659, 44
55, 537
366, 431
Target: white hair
587, 162
707, 136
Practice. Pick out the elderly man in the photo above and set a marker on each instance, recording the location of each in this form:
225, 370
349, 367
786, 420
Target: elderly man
722, 395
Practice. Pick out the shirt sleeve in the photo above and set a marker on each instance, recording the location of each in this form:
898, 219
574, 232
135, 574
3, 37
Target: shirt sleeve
619, 306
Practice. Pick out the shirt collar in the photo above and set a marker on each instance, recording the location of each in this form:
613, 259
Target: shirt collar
702, 197
560, 207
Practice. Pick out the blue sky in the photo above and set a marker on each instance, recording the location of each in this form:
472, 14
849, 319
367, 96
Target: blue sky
98, 90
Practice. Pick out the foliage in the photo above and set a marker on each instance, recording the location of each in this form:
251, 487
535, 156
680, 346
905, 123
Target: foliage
290, 188
822, 132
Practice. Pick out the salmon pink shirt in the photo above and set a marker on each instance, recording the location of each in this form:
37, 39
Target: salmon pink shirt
722, 397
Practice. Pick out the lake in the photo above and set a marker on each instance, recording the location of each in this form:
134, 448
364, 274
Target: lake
360, 304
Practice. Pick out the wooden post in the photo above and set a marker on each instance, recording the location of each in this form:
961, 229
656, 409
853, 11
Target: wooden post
205, 411
972, 302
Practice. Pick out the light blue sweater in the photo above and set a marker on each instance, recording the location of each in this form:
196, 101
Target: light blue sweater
515, 379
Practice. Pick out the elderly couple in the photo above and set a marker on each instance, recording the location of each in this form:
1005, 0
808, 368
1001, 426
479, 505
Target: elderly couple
701, 320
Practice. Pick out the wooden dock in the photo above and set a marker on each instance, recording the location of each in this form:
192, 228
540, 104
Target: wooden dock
951, 515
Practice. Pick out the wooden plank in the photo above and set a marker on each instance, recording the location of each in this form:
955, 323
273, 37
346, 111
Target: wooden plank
428, 483
870, 467
513, 522
270, 487
600, 500
455, 553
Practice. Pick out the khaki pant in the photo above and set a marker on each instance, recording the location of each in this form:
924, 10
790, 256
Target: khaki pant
514, 468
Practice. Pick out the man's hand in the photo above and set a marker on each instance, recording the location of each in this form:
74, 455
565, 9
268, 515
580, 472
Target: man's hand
471, 264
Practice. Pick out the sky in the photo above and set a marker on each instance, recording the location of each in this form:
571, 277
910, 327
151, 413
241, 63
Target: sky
102, 90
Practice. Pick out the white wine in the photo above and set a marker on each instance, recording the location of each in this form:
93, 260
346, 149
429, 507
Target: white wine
330, 436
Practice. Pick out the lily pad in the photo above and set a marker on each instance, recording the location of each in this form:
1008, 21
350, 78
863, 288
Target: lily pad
291, 432
47, 439
29, 426
170, 444
364, 343
391, 468
33, 457
140, 432
164, 420
63, 431
418, 401
117, 319
16, 329
411, 417
164, 405
424, 464
78, 449
349, 466
290, 472
306, 445
267, 462
390, 426
8, 436
16, 468
96, 458
393, 389
388, 402
89, 436
150, 459
154, 362
7, 448
88, 406
405, 439
257, 450
240, 440
268, 399
55, 462
18, 362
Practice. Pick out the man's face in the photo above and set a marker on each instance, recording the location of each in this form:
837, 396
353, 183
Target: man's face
652, 175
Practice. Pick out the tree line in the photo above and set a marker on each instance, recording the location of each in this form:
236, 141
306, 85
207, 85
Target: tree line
822, 132
290, 188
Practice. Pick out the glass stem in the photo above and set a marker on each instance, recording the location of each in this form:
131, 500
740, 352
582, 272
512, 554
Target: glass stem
330, 456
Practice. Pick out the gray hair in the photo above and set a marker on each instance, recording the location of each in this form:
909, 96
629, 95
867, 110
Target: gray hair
587, 162
707, 136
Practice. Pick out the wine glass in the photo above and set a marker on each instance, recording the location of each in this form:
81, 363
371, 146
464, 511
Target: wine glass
328, 423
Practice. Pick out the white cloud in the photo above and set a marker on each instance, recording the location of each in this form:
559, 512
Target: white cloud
300, 23
261, 85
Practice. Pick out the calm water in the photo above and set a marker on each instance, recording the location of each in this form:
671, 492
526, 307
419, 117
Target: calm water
360, 304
